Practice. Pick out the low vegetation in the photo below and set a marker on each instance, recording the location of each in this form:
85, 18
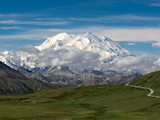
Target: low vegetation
112, 102
151, 80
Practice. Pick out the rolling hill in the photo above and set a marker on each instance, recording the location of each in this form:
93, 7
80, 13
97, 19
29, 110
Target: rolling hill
151, 80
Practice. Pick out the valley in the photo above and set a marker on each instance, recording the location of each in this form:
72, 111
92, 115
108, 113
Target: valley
116, 102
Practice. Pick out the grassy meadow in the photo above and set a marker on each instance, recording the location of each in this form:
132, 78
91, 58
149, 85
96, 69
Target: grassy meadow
110, 102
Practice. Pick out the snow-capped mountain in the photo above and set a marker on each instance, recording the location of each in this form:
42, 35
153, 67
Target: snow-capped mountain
69, 59
87, 42
83, 51
4, 57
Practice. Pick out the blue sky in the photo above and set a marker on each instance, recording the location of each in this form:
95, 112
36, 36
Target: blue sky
135, 24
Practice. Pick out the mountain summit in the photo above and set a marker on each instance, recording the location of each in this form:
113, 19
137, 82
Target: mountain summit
87, 42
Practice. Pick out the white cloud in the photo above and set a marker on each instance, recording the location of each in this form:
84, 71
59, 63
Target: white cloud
107, 19
33, 22
9, 28
155, 4
134, 34
141, 64
123, 34
156, 44
16, 15
131, 43
35, 34
64, 57
10, 15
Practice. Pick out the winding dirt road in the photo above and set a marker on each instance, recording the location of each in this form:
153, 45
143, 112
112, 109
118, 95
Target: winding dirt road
146, 88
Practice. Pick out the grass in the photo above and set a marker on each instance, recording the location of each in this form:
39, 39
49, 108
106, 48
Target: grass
151, 80
114, 102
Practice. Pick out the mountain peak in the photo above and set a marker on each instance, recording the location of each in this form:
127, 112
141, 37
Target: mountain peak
87, 42
64, 33
88, 34
61, 36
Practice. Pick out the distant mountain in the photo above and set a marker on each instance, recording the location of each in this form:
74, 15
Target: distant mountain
13, 82
71, 77
70, 60
87, 42
101, 48
108, 80
33, 75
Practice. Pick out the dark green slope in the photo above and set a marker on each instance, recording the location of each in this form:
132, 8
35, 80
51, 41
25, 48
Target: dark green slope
13, 82
151, 80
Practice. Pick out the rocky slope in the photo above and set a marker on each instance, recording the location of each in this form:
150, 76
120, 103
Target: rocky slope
104, 80
13, 82
70, 77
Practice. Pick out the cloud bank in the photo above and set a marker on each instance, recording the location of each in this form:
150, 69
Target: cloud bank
75, 58
141, 64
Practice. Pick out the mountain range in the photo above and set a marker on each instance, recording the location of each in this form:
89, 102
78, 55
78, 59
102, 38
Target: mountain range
72, 60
